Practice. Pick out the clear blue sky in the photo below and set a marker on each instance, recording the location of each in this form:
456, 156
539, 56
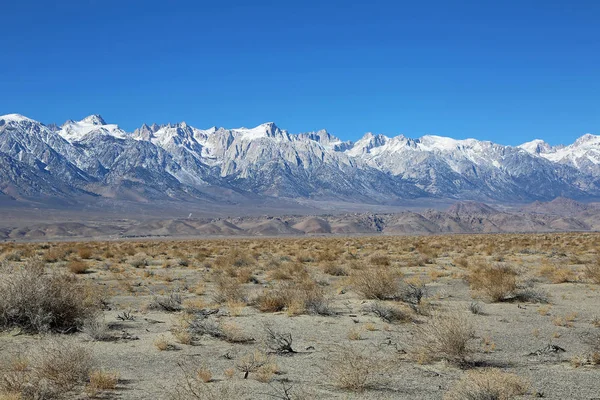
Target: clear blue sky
507, 71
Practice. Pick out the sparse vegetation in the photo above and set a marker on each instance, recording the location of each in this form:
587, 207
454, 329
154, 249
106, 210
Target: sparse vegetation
446, 336
354, 370
360, 310
494, 282
53, 369
36, 301
488, 384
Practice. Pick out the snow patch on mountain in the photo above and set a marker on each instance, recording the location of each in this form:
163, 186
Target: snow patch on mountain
75, 131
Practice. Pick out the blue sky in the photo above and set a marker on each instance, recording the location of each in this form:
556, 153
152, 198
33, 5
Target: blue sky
507, 71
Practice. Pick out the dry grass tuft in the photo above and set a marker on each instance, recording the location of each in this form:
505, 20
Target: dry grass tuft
354, 370
101, 381
377, 283
53, 369
444, 337
77, 267
496, 283
488, 384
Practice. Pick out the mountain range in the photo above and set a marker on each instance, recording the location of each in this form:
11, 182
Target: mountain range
90, 159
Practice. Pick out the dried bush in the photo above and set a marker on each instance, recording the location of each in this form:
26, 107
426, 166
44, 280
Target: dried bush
353, 369
487, 384
170, 303
54, 369
77, 267
388, 312
139, 262
84, 252
381, 260
494, 282
39, 302
444, 337
193, 386
297, 298
557, 274
592, 272
278, 342
334, 270
531, 295
97, 330
197, 326
101, 381
229, 289
377, 283
55, 254
254, 361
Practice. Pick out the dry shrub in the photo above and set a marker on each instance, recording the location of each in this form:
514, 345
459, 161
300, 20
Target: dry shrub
496, 283
305, 257
488, 384
84, 253
557, 274
53, 369
388, 312
161, 343
334, 270
14, 255
444, 337
193, 385
38, 302
55, 254
252, 362
77, 267
353, 369
381, 260
139, 261
296, 298
592, 272
229, 289
170, 303
101, 381
236, 258
377, 283
196, 326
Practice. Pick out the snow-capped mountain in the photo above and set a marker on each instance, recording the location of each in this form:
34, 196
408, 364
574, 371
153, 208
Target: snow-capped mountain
584, 154
177, 161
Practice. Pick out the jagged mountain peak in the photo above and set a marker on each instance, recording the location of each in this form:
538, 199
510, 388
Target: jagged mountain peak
536, 146
94, 119
443, 143
586, 139
74, 131
268, 129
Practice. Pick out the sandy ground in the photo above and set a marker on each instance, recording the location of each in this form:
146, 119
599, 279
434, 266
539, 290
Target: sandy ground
507, 333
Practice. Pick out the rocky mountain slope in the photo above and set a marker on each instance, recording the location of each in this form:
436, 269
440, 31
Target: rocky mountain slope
81, 160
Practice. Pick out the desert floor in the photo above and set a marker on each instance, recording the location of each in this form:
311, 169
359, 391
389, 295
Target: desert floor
384, 317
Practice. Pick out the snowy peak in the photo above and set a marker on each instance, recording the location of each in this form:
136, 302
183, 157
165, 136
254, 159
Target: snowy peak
76, 131
536, 146
14, 118
587, 140
266, 130
441, 143
94, 119
583, 154
326, 139
367, 143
